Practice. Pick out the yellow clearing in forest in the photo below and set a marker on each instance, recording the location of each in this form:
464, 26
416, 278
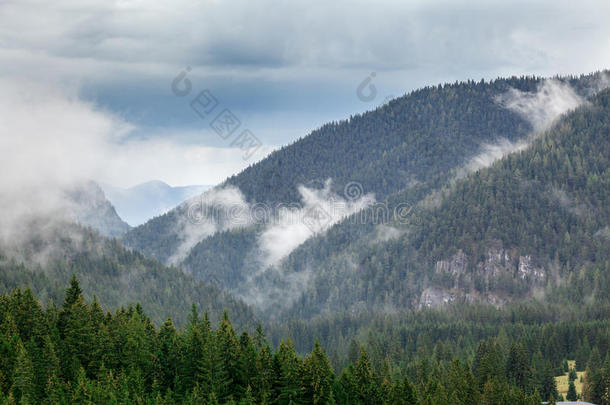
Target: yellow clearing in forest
563, 381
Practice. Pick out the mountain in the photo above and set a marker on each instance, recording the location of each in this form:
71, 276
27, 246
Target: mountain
51, 250
88, 206
412, 139
470, 278
144, 201
534, 221
405, 156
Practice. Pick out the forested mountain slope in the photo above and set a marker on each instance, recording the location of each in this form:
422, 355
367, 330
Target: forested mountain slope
56, 250
537, 219
413, 138
408, 153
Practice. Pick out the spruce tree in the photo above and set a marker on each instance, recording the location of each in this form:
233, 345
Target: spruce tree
288, 366
318, 377
403, 393
226, 348
366, 380
23, 388
571, 395
167, 356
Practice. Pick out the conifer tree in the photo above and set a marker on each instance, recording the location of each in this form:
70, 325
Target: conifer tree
547, 385
246, 364
318, 377
571, 395
226, 348
462, 383
248, 398
518, 368
366, 380
403, 393
76, 332
167, 356
23, 388
288, 378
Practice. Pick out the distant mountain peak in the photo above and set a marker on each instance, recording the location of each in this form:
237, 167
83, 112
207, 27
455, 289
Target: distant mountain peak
139, 203
90, 207
150, 184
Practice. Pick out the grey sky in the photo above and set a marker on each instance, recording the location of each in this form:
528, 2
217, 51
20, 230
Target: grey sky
282, 67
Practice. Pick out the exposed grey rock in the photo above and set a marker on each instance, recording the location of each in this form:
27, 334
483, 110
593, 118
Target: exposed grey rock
457, 265
435, 297
528, 271
499, 265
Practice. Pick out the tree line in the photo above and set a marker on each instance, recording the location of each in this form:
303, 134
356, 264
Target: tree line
79, 354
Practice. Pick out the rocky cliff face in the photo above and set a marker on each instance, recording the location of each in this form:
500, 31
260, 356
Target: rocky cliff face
456, 266
484, 280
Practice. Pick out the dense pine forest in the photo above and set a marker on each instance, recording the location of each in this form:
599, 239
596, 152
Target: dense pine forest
385, 150
79, 354
542, 209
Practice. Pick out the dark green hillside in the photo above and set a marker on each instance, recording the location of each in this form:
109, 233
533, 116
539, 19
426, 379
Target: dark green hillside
229, 251
496, 235
544, 210
117, 276
412, 139
156, 238
416, 137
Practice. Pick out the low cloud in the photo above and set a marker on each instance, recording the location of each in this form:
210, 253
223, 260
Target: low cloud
544, 106
540, 108
215, 210
385, 233
270, 283
52, 141
275, 288
320, 209
283, 229
490, 153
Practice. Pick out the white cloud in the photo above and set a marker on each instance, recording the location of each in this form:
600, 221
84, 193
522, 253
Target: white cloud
215, 210
385, 233
177, 164
319, 210
237, 40
50, 135
51, 140
311, 70
542, 107
315, 33
490, 153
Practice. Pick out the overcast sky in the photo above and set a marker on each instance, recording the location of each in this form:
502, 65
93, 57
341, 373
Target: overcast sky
101, 72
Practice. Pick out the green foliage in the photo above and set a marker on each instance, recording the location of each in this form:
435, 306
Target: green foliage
348, 339
386, 150
117, 276
139, 363
549, 203
571, 395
